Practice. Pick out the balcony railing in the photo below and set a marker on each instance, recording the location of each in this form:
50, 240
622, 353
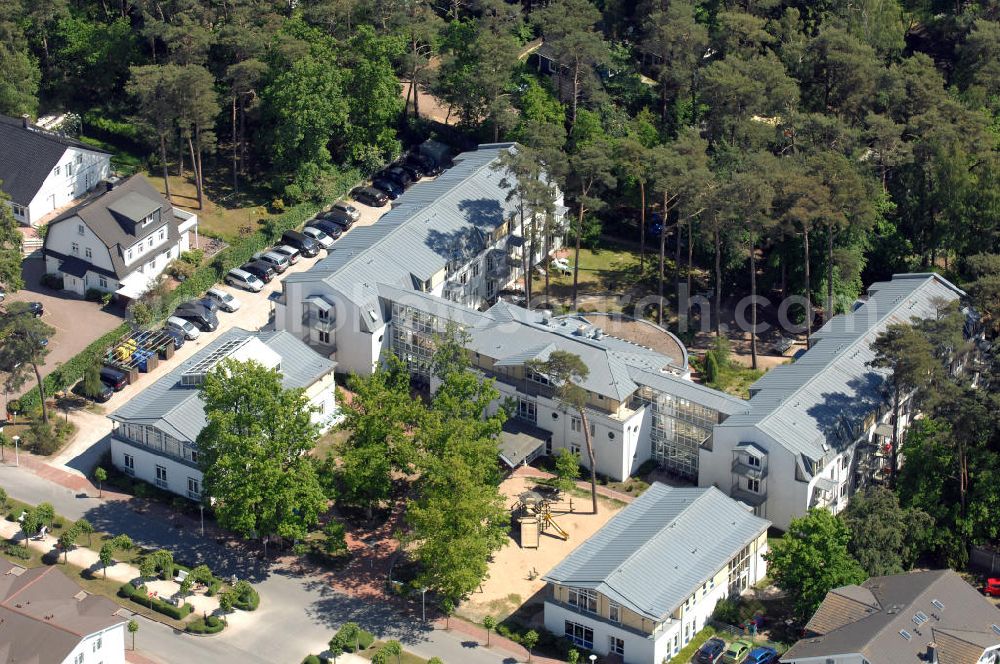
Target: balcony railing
313, 320
742, 468
749, 497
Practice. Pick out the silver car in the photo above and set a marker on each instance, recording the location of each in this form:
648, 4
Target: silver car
322, 238
183, 326
280, 262
226, 301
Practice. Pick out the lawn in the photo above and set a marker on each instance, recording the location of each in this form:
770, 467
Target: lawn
221, 217
610, 269
407, 657
329, 442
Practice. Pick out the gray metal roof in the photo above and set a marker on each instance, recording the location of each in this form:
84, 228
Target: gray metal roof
822, 397
869, 619
689, 390
431, 224
178, 409
655, 553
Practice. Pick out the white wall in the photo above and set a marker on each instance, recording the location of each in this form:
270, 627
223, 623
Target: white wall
639, 649
145, 466
63, 236
112, 650
59, 190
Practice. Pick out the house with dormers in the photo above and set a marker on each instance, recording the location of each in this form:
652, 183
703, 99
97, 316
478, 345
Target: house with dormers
118, 242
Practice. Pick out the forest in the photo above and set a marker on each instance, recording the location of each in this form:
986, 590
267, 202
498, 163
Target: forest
786, 146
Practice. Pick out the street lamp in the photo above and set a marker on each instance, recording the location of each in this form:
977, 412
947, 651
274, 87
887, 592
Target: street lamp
17, 457
593, 658
423, 604
201, 507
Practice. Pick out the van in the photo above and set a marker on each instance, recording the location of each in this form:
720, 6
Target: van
116, 379
242, 279
202, 317
278, 261
307, 246
183, 326
289, 251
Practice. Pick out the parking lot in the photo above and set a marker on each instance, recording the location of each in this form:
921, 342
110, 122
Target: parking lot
77, 322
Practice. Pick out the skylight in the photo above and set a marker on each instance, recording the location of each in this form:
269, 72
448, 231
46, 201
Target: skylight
938, 604
906, 635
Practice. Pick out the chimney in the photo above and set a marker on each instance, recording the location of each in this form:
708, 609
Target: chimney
25, 121
931, 657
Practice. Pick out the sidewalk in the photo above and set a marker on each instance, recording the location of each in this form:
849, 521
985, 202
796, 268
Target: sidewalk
497, 642
71, 481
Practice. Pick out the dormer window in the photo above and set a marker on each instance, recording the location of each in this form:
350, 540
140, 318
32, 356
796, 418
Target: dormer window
753, 461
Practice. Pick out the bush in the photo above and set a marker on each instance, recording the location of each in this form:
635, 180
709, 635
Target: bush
193, 257
17, 551
42, 439
247, 599
210, 625
179, 269
311, 659
52, 280
711, 367
139, 596
350, 634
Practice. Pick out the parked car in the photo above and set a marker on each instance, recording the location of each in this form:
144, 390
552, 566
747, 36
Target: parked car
353, 212
278, 261
260, 269
116, 379
737, 652
992, 587
762, 655
397, 175
305, 245
183, 326
370, 196
176, 335
240, 278
412, 168
318, 236
226, 301
428, 164
206, 302
710, 651
331, 228
36, 309
105, 393
288, 251
388, 187
339, 217
202, 317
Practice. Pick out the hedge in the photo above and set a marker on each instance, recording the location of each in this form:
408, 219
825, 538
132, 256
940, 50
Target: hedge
17, 551
139, 596
248, 602
210, 625
364, 640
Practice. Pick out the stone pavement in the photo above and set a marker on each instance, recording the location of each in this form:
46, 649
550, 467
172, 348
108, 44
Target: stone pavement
529, 471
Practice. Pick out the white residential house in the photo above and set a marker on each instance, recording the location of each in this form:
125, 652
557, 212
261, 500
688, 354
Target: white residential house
118, 242
934, 617
817, 430
45, 617
43, 171
643, 585
154, 435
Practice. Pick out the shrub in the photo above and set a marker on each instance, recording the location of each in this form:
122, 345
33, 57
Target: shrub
139, 596
351, 635
180, 270
193, 257
210, 625
53, 281
246, 598
15, 551
95, 295
311, 659
42, 439
711, 367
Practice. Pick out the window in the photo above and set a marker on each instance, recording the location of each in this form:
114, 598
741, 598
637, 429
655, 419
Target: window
580, 635
704, 589
161, 477
475, 270
491, 288
97, 645
80, 229
574, 448
75, 248
58, 170
79, 158
585, 600
163, 234
845, 462
151, 242
78, 659
843, 490
526, 410
102, 281
88, 252
753, 461
18, 210
129, 255
324, 337
129, 464
753, 486
194, 456
614, 612
322, 314
616, 646
194, 488
69, 169
575, 424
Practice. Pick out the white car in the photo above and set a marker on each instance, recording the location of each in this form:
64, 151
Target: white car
560, 265
291, 252
243, 279
183, 326
322, 238
226, 301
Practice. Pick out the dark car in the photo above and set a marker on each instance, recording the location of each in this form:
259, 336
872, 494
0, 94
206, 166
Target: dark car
200, 316
176, 336
36, 309
762, 655
428, 164
263, 271
307, 246
710, 652
105, 393
370, 196
347, 208
114, 378
412, 168
391, 189
338, 216
331, 228
396, 174
206, 302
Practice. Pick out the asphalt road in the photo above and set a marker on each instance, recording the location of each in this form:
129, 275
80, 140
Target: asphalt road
298, 614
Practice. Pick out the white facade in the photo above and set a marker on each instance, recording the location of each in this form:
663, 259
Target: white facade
77, 172
106, 647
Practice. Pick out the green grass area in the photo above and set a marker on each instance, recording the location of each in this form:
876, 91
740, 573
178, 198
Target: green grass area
216, 218
406, 658
608, 269
329, 442
688, 651
124, 163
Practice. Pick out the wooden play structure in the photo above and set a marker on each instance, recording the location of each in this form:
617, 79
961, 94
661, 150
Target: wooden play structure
533, 515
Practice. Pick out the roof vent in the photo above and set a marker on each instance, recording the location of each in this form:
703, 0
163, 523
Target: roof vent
582, 330
26, 121
995, 628
598, 333
112, 182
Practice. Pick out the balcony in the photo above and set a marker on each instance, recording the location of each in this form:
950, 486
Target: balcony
326, 323
746, 496
744, 469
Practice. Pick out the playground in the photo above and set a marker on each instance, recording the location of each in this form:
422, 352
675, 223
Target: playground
515, 576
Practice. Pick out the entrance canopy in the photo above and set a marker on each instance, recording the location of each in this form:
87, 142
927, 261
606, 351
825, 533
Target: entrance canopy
521, 442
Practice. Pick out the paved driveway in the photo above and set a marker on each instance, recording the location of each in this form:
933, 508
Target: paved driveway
77, 322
